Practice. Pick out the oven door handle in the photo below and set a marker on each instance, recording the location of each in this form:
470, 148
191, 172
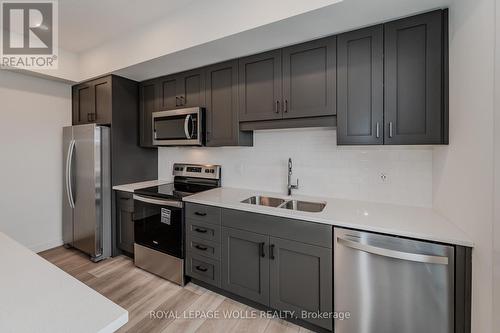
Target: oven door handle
186, 126
159, 202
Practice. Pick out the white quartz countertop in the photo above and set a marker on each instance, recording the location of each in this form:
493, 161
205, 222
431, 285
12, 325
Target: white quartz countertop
36, 296
136, 186
407, 221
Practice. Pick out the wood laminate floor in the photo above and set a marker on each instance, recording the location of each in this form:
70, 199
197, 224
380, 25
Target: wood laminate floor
175, 308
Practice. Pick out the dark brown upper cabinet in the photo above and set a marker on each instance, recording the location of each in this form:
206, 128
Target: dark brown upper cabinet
295, 82
92, 102
309, 79
149, 92
360, 90
415, 73
261, 87
222, 106
182, 90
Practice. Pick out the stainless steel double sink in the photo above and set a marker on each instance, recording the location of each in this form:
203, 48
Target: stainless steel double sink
291, 204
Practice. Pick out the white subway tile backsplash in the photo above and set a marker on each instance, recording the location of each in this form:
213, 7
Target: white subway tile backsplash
323, 168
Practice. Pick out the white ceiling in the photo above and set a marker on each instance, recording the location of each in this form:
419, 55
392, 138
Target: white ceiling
86, 24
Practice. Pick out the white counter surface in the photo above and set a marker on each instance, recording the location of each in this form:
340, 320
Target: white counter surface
407, 221
136, 186
36, 296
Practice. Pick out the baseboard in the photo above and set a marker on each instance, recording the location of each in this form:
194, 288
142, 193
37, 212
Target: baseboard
45, 246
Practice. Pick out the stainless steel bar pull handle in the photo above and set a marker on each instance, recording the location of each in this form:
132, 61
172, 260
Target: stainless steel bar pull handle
186, 126
390, 129
159, 202
427, 259
69, 167
377, 130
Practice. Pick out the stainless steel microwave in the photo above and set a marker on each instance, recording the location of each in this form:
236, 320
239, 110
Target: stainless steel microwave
182, 127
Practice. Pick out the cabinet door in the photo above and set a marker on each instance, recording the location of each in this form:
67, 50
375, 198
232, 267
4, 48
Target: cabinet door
101, 97
82, 104
360, 87
222, 104
260, 87
148, 103
301, 278
413, 80
168, 97
125, 222
309, 79
245, 265
190, 87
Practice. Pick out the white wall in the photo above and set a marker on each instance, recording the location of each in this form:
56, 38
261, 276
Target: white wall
33, 112
323, 168
463, 171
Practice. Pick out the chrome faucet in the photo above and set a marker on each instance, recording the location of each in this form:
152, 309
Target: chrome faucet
291, 187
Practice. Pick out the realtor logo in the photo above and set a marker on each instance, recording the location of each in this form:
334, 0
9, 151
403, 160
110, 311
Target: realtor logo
29, 34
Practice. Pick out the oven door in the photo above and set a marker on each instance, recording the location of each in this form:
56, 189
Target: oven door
178, 127
158, 224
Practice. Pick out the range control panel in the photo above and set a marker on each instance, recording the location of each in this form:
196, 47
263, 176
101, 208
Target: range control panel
197, 170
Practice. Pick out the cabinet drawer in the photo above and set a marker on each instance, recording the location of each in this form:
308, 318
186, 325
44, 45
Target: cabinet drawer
204, 269
203, 230
203, 247
124, 201
209, 214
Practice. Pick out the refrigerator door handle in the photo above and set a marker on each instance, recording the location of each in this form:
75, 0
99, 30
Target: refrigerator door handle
393, 254
69, 167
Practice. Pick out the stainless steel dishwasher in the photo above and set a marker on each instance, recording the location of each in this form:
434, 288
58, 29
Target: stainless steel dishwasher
391, 284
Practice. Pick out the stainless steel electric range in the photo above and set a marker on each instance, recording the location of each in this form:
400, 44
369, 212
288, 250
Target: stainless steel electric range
159, 219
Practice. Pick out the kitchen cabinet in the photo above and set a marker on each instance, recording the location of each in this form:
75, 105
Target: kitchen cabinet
309, 79
295, 82
182, 90
125, 222
300, 278
360, 91
415, 75
222, 116
245, 264
149, 103
261, 86
392, 82
278, 262
92, 102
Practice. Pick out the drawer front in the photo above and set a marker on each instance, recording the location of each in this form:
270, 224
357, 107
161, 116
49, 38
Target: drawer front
297, 230
125, 201
203, 230
209, 214
204, 269
203, 247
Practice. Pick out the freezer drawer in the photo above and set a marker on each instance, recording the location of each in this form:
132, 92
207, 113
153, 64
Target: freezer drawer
392, 285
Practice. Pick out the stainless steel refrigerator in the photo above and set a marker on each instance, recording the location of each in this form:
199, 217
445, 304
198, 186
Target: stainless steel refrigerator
87, 190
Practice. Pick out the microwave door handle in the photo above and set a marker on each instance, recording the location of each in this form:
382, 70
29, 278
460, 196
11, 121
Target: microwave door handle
186, 126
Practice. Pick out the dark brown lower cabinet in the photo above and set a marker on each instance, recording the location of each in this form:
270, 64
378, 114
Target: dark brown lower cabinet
301, 279
283, 274
245, 264
125, 222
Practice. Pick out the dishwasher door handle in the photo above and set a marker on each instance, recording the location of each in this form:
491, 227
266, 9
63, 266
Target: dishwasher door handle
427, 259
